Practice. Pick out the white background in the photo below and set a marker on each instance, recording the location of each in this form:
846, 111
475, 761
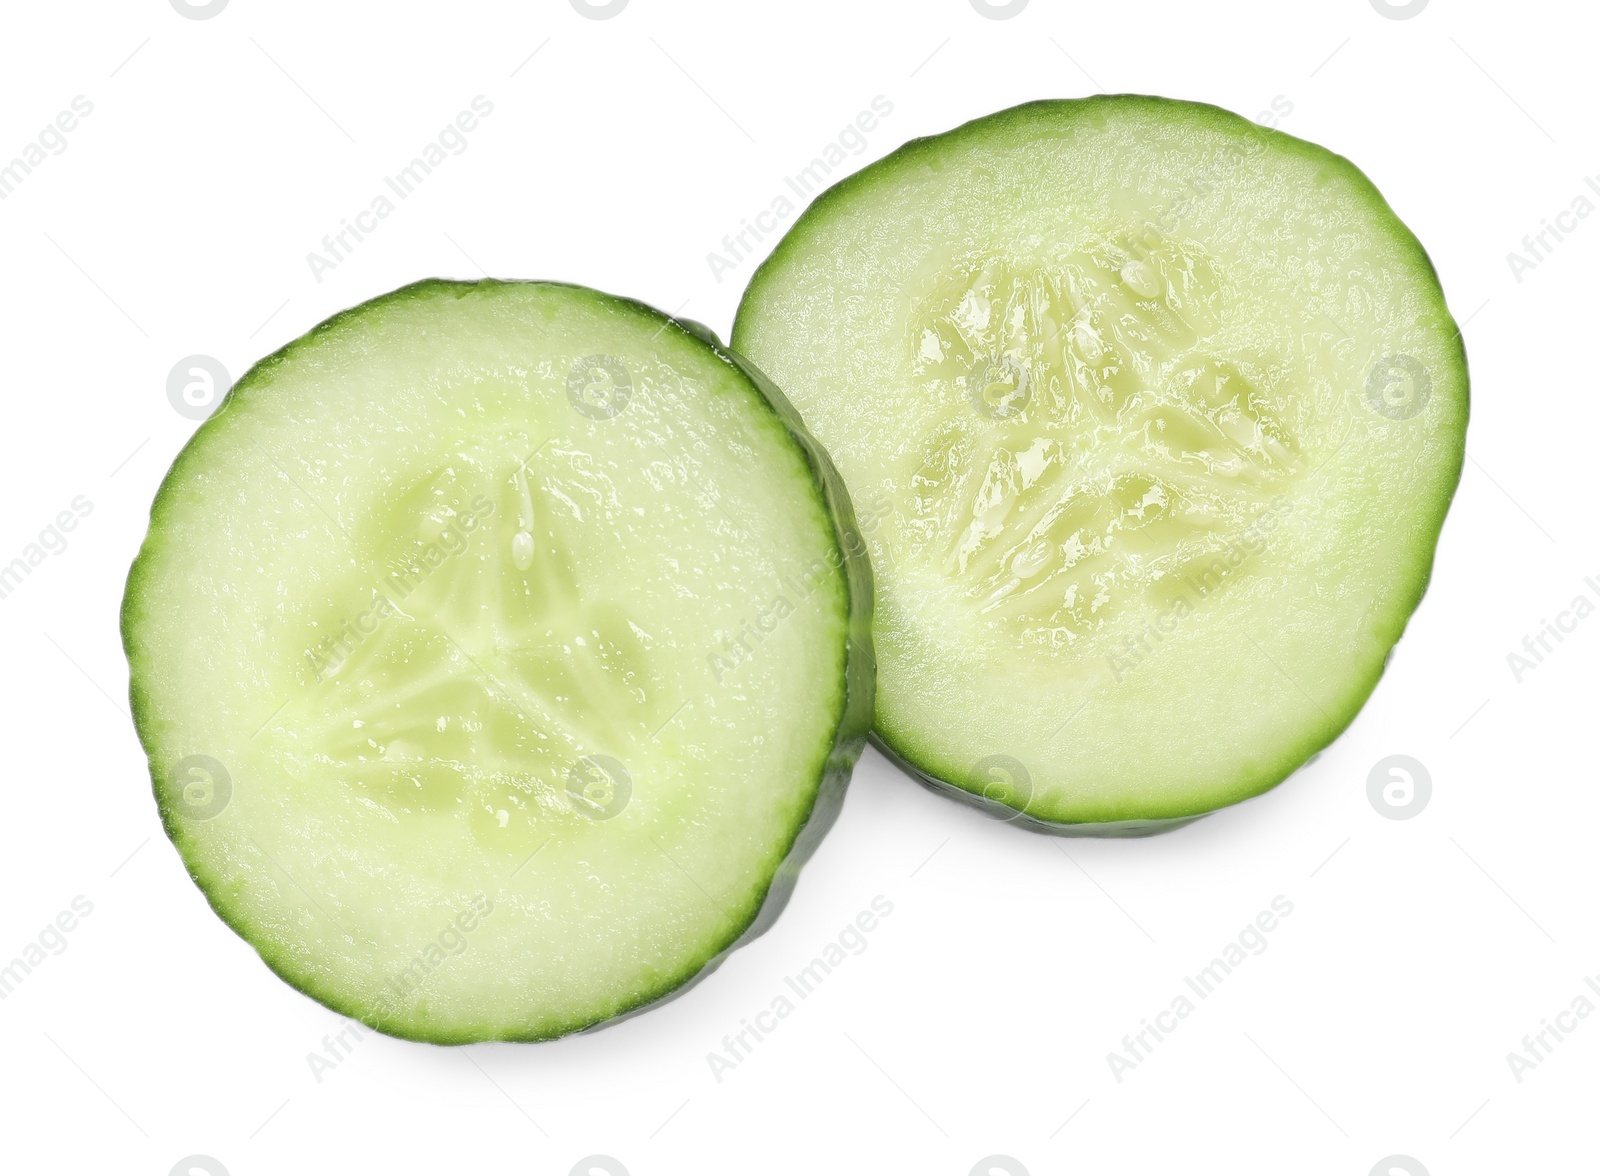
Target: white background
977, 1022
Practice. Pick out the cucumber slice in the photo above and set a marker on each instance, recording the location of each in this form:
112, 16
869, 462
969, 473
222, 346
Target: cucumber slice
1159, 413
500, 650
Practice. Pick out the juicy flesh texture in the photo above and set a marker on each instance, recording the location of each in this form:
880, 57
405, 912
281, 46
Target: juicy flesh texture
1106, 499
1152, 419
472, 656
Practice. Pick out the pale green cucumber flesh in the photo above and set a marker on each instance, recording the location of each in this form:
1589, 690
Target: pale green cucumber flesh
1151, 417
500, 654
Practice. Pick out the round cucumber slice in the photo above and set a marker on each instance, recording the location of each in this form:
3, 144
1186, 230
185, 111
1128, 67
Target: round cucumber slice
500, 650
1158, 413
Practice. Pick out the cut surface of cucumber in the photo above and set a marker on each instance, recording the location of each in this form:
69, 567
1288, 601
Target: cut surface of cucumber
1155, 414
500, 651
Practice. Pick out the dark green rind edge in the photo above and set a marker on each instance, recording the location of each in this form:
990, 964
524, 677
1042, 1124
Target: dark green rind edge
1004, 813
1147, 823
847, 743
860, 678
